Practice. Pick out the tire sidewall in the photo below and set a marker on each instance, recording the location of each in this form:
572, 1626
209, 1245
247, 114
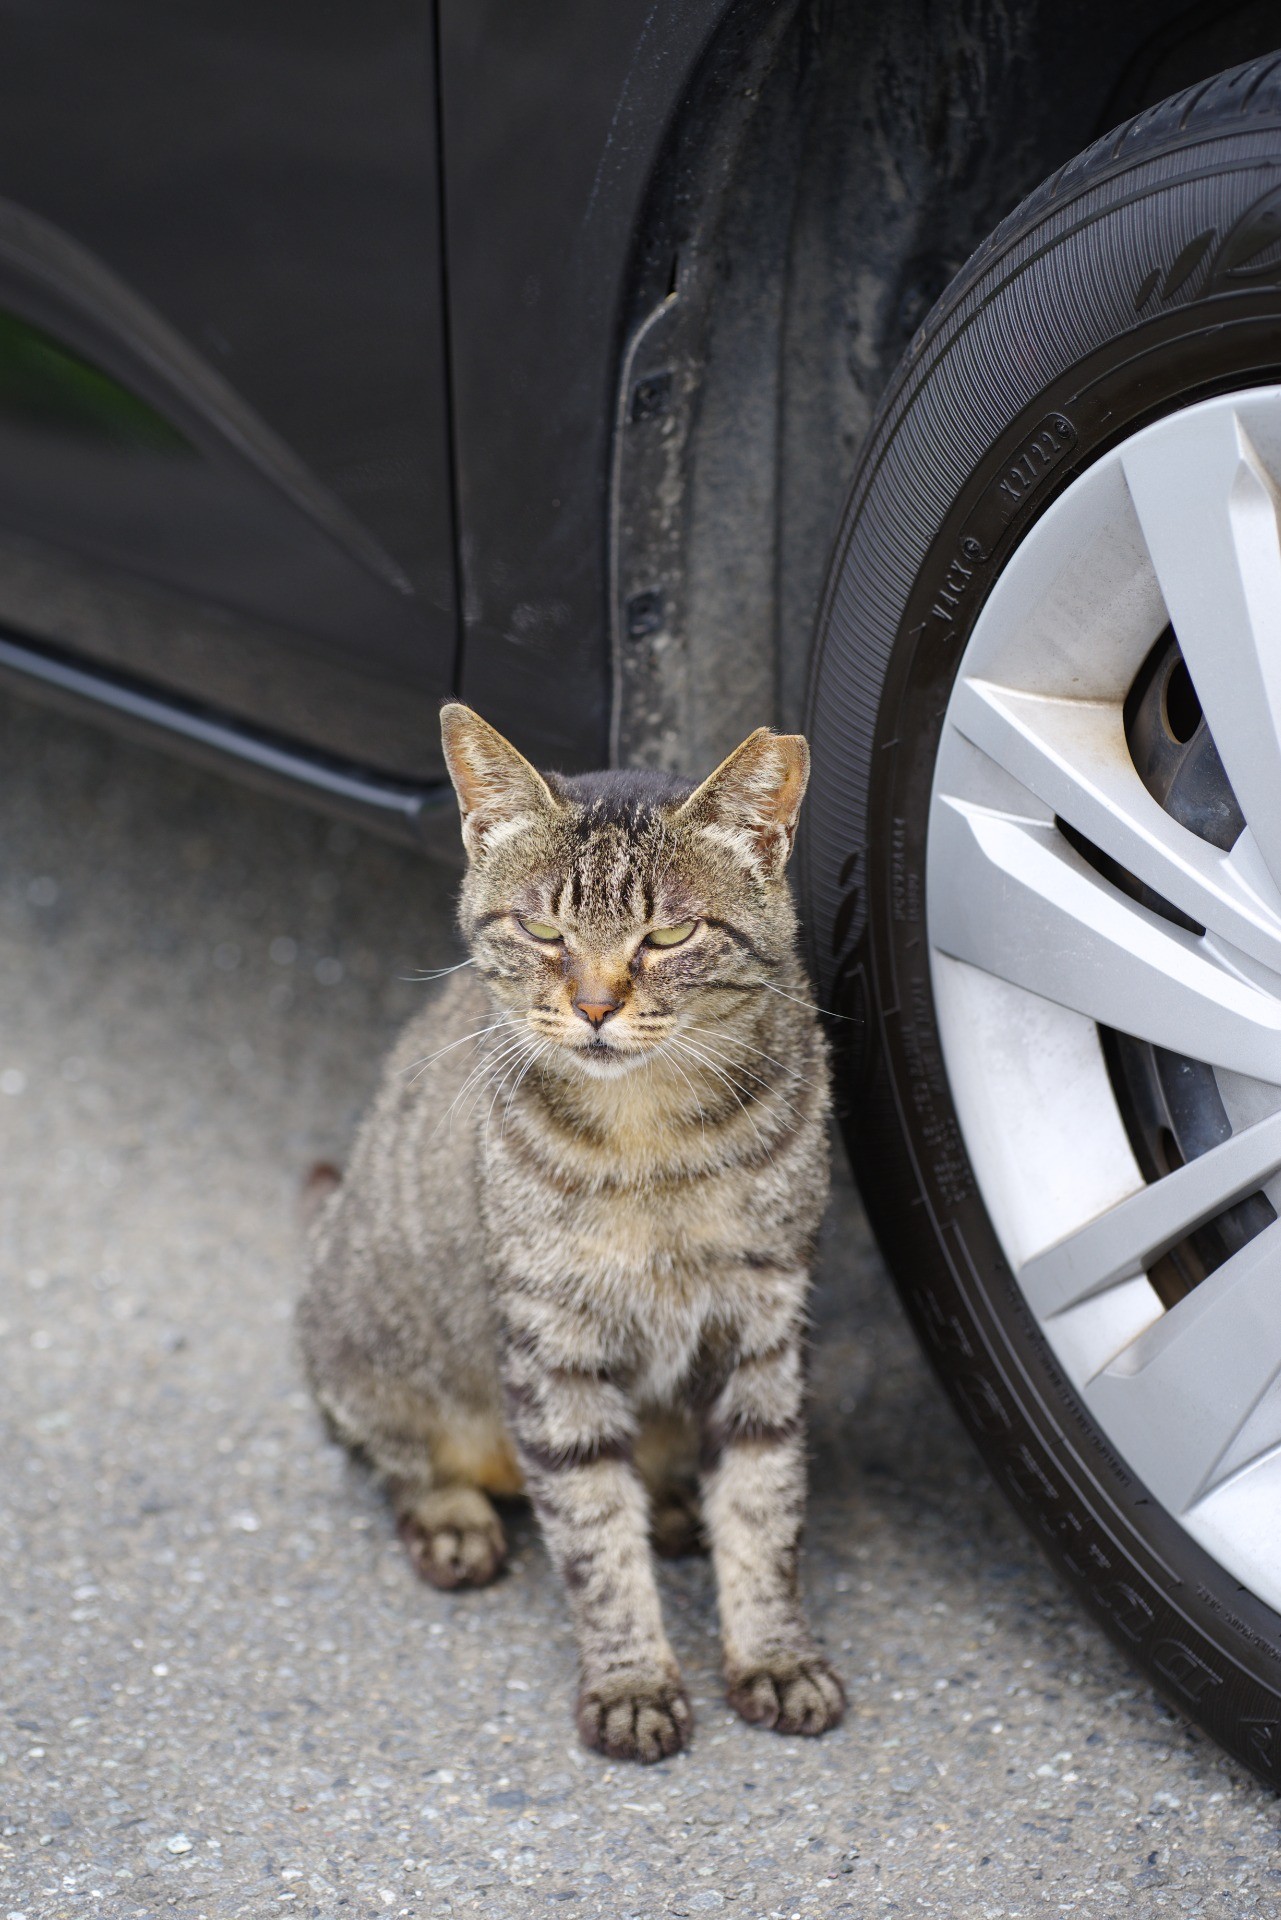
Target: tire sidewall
1214, 1649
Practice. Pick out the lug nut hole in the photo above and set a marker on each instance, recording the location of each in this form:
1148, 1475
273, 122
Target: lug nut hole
1182, 708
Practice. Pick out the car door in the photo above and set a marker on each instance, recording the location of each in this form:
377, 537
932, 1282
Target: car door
224, 465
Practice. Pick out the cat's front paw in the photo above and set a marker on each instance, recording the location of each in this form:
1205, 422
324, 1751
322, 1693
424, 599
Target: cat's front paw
635, 1717
792, 1693
454, 1539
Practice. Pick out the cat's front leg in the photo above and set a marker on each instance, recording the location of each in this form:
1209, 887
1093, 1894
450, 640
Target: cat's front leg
753, 1509
574, 1430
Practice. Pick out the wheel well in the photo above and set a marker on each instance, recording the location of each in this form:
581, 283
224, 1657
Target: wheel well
830, 170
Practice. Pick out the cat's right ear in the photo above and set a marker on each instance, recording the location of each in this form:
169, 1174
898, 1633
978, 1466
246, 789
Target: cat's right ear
496, 786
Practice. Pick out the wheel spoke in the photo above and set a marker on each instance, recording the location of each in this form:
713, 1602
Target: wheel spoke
1012, 897
1072, 754
1127, 1238
1209, 518
1178, 1402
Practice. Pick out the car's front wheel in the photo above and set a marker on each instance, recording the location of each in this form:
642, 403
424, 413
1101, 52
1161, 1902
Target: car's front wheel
1043, 875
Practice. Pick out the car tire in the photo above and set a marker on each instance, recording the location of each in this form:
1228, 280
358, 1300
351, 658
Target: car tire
1085, 374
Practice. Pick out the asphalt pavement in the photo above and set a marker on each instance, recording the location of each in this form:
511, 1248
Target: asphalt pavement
222, 1691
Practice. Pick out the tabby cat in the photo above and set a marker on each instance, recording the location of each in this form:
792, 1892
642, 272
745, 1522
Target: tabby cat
571, 1252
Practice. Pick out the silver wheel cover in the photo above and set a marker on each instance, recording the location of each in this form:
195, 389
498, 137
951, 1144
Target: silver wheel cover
1032, 949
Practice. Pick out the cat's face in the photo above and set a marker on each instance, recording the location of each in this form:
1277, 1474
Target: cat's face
615, 913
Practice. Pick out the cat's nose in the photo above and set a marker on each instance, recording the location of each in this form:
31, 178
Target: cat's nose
595, 1012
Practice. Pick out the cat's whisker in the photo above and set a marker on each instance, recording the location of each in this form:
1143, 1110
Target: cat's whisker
418, 1067
742, 1094
524, 1067
530, 1063
698, 1105
478, 1074
497, 1059
810, 1006
707, 1061
738, 1093
478, 1077
490, 1061
709, 1053
722, 1028
435, 973
520, 1066
491, 1079
741, 1066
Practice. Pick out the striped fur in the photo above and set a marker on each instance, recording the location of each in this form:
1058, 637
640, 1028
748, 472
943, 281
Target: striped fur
577, 1259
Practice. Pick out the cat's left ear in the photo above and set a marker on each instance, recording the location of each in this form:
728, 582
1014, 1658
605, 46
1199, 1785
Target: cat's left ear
754, 797
496, 786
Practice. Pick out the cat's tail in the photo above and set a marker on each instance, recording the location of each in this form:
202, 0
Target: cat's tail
321, 1180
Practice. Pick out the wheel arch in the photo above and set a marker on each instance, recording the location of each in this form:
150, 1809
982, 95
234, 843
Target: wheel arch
828, 171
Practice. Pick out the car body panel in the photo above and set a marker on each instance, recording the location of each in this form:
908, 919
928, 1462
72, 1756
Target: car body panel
223, 401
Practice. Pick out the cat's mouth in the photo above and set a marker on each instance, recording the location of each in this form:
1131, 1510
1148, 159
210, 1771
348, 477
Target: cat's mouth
602, 1058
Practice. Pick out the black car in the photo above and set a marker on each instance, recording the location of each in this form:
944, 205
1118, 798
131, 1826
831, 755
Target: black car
642, 373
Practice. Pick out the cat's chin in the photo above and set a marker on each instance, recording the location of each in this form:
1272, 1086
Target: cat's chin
602, 1063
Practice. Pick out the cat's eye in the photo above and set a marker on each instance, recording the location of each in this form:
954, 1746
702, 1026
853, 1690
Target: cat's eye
670, 936
541, 930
